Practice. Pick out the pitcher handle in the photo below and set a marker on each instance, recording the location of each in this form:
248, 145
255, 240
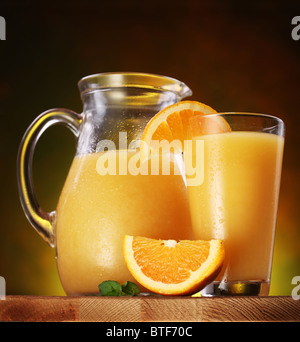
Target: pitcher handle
42, 221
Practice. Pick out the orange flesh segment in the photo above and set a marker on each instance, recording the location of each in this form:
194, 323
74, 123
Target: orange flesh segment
186, 256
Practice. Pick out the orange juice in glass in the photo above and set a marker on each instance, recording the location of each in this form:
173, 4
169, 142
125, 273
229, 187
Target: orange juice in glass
237, 200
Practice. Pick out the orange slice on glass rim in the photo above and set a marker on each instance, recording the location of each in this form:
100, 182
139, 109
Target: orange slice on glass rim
169, 267
174, 123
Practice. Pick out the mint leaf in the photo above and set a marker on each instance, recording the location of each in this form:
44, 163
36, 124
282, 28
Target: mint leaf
110, 288
113, 288
131, 289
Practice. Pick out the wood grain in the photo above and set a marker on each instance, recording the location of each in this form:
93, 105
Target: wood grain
39, 309
148, 309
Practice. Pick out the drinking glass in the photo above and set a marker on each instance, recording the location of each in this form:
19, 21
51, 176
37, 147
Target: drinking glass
237, 198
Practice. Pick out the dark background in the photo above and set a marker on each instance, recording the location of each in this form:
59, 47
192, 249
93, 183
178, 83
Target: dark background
234, 55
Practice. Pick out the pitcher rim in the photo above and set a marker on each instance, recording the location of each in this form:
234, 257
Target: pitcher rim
157, 82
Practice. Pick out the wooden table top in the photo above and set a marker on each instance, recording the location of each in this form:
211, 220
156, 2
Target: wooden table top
149, 309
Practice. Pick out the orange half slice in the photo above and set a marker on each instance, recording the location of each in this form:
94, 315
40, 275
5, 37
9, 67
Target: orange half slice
169, 267
173, 123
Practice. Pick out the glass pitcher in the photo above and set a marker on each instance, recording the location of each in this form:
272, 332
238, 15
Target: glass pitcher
96, 209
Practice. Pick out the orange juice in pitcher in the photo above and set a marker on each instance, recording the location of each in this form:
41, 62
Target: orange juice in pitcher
96, 211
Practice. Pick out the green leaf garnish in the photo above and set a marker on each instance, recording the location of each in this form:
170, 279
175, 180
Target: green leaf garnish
130, 288
110, 288
113, 288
